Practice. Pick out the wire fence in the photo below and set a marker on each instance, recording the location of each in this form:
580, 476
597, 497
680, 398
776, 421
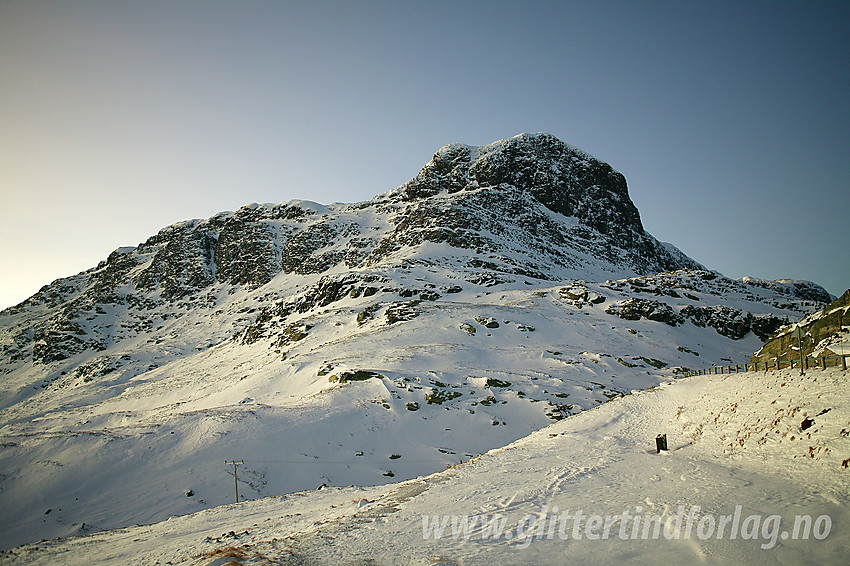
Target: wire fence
807, 362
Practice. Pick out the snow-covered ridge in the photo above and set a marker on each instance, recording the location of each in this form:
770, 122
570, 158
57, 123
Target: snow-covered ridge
561, 216
796, 287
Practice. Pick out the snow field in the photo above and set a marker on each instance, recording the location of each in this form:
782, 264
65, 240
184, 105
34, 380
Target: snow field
601, 462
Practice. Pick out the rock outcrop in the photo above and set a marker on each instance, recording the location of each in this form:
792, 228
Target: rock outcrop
824, 333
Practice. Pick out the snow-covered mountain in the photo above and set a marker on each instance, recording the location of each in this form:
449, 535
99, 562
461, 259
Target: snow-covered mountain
502, 288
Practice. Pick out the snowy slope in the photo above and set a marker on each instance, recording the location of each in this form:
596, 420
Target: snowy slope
120, 448
503, 288
736, 446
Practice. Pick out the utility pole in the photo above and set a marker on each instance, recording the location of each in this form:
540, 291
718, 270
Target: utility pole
235, 479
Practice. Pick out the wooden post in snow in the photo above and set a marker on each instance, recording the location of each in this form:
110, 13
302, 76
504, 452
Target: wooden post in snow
235, 479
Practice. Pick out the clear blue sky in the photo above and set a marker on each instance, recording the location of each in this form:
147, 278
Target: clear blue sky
730, 120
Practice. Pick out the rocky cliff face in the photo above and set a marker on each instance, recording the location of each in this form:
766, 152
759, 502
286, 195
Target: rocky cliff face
563, 178
506, 180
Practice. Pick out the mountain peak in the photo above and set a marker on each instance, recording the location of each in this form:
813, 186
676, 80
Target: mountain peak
563, 178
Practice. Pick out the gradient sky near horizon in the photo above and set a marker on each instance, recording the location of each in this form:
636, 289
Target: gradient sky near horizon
730, 120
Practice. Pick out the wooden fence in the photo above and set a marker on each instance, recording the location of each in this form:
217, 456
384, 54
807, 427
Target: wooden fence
808, 362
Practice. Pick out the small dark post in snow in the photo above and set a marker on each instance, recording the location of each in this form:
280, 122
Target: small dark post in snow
660, 443
235, 479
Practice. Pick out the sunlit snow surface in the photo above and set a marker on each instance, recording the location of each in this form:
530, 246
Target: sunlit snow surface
734, 440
